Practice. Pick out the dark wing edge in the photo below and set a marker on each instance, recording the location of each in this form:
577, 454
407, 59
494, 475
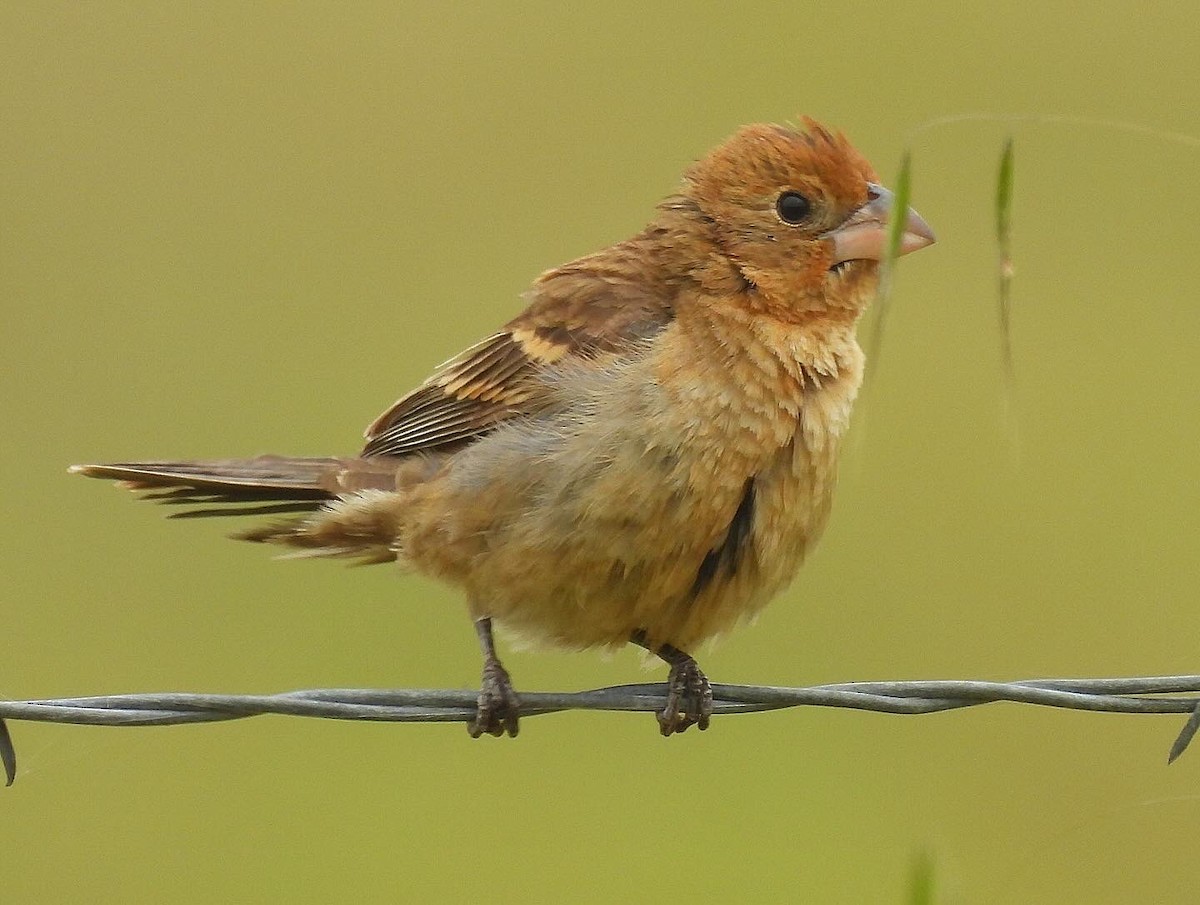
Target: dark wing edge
465, 397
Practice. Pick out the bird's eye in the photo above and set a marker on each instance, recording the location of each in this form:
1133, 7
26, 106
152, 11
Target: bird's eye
793, 208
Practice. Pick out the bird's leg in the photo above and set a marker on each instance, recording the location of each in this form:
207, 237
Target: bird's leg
499, 707
689, 697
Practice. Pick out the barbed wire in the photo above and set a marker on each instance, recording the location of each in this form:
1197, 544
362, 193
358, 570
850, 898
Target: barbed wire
426, 705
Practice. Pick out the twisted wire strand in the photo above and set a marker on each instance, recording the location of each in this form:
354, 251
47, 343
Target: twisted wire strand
425, 705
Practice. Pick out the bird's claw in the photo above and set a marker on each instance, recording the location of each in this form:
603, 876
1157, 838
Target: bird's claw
689, 699
499, 707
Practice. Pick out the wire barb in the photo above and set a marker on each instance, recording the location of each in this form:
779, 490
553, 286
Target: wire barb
8, 755
1185, 736
417, 705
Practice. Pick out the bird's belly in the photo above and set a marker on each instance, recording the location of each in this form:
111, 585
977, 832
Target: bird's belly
681, 545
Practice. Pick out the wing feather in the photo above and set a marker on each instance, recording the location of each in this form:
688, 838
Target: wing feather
596, 306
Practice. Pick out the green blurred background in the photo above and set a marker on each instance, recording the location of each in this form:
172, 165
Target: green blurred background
234, 228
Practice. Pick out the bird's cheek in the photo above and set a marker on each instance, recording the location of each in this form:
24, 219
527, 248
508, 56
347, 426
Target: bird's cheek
816, 268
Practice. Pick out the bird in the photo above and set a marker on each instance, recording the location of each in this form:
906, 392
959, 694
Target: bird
644, 455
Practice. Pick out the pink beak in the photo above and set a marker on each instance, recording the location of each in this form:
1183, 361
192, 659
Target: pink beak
864, 235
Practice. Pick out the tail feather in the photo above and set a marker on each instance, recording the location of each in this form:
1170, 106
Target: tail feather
344, 507
232, 480
363, 526
224, 509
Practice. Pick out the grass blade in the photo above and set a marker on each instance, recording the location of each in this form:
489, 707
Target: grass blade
920, 884
895, 235
1004, 204
1004, 201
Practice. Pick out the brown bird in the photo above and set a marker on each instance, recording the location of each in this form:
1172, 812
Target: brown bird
645, 454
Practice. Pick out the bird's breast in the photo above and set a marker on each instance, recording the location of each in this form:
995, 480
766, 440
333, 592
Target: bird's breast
762, 434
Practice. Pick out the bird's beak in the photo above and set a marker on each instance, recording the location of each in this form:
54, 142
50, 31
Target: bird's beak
864, 235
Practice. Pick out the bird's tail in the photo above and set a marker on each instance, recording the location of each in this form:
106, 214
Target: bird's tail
341, 506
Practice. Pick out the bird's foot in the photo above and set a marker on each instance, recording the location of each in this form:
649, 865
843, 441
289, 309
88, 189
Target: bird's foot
689, 698
499, 707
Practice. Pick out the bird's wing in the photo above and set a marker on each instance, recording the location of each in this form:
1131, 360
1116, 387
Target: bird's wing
587, 310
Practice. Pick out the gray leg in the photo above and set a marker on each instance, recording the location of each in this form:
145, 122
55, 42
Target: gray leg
499, 707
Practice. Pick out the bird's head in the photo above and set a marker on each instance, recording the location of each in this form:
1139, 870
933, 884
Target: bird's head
799, 213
